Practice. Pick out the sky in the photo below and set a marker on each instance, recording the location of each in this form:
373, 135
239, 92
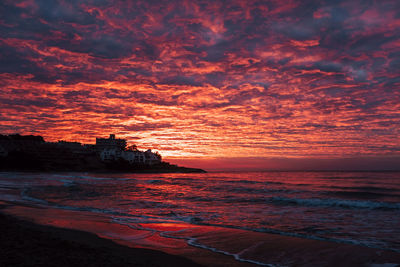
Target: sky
214, 84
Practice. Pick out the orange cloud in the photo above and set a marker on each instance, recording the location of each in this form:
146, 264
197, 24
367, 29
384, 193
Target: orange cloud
223, 80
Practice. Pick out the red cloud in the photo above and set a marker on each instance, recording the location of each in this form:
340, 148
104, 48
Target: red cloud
217, 80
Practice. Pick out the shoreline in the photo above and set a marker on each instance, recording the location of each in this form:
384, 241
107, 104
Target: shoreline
26, 243
198, 244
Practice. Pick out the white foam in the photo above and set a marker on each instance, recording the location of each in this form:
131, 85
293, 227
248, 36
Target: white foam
192, 242
25, 196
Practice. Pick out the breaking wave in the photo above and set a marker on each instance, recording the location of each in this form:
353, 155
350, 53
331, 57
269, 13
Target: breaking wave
341, 203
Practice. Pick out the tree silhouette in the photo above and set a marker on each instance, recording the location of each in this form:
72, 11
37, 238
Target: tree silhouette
132, 148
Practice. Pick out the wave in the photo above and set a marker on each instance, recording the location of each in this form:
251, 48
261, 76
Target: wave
235, 182
90, 178
365, 188
340, 203
192, 241
25, 196
313, 202
247, 182
199, 220
261, 191
361, 194
155, 181
133, 223
347, 177
68, 183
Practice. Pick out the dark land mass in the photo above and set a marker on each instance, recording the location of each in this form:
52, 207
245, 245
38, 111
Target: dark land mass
33, 154
23, 161
27, 244
163, 167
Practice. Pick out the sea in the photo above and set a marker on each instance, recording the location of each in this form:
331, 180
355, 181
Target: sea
361, 208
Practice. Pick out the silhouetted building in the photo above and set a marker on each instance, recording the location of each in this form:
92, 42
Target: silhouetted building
62, 152
134, 156
152, 158
110, 143
70, 145
111, 153
16, 142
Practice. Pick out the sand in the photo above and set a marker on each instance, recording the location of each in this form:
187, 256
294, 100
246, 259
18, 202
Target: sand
27, 244
34, 241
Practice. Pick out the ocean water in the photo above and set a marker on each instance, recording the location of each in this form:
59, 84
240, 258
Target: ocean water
360, 208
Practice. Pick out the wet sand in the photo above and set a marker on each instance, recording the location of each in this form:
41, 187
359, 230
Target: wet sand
27, 244
163, 244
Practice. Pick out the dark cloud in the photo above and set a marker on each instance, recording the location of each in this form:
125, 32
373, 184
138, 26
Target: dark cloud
29, 103
14, 61
146, 127
180, 80
63, 12
298, 74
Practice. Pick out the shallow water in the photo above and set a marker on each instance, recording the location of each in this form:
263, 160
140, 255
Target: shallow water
351, 207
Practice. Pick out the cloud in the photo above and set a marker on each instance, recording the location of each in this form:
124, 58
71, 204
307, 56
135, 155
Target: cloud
259, 78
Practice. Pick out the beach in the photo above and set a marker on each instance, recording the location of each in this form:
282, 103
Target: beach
35, 241
214, 219
24, 243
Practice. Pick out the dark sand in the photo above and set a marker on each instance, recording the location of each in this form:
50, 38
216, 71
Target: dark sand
27, 244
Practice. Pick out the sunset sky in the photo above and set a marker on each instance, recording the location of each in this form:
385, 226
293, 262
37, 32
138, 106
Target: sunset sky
213, 84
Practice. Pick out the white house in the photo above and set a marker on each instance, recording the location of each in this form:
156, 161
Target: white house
113, 149
110, 154
135, 156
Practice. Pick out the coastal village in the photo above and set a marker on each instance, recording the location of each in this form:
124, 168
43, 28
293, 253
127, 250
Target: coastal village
108, 149
112, 148
33, 153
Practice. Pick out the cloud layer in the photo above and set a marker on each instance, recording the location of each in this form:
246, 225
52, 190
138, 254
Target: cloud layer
206, 78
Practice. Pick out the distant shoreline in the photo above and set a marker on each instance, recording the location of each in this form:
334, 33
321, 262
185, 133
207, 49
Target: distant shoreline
162, 168
33, 154
239, 171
